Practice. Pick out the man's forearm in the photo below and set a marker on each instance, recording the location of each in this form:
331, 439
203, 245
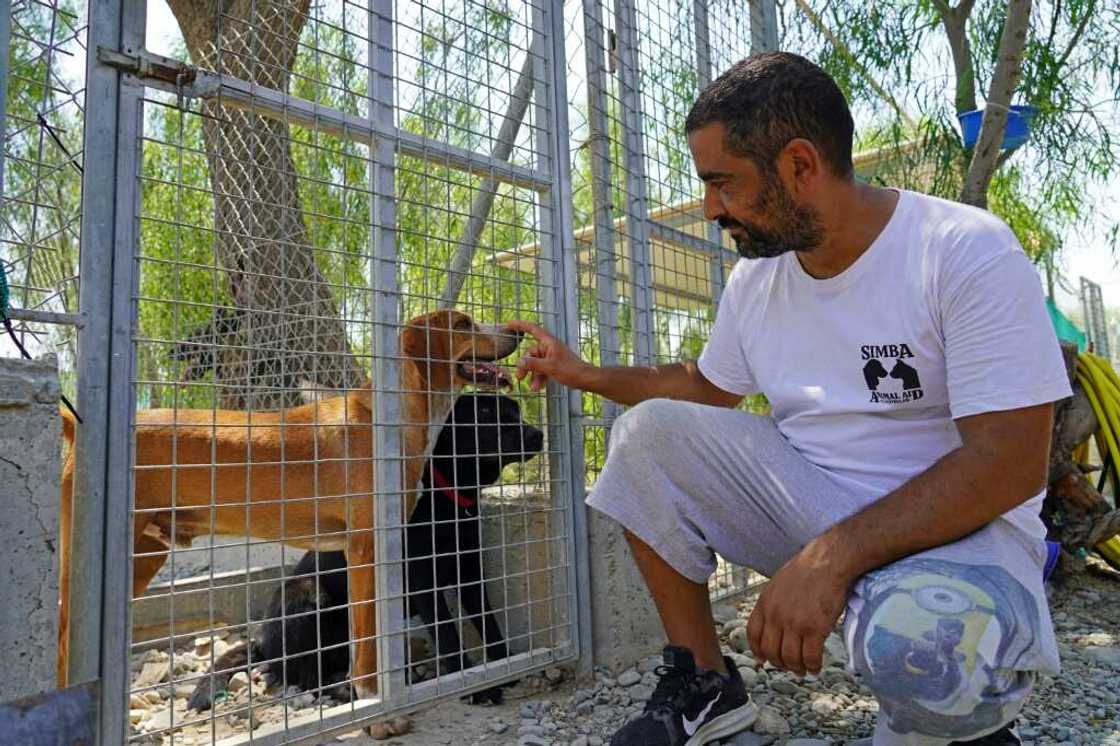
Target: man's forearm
633, 384
958, 495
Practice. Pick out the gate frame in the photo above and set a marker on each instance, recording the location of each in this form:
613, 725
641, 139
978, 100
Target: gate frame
102, 546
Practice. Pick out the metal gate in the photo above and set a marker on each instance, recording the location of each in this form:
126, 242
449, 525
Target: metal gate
277, 206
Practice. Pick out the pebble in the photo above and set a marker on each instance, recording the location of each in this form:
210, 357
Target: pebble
1105, 656
158, 721
238, 682
783, 686
750, 677
153, 672
641, 692
738, 640
629, 678
770, 722
533, 740
497, 726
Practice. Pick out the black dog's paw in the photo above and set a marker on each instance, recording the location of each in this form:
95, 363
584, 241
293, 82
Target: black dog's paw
492, 696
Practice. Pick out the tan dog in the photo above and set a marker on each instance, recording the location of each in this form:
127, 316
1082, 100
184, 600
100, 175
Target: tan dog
303, 476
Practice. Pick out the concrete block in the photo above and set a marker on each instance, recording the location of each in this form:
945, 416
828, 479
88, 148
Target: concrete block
624, 623
30, 458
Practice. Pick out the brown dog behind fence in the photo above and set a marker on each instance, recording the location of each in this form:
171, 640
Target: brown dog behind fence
303, 476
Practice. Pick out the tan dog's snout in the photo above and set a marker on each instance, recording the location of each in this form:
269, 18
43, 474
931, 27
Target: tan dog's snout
485, 345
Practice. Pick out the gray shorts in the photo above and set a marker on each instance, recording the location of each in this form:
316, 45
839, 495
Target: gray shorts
949, 639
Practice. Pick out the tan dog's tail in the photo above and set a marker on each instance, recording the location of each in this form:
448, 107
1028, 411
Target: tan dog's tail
69, 424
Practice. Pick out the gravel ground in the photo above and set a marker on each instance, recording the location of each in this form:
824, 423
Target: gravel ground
1079, 707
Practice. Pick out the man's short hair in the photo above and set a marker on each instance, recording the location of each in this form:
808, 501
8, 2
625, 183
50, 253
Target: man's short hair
768, 99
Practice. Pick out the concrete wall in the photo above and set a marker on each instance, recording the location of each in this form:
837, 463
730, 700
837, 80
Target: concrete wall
624, 622
29, 475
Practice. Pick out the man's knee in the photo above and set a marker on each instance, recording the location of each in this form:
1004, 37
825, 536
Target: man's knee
651, 422
937, 642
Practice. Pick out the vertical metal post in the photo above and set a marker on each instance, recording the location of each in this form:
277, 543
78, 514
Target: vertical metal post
603, 255
704, 77
637, 214
101, 546
386, 304
560, 275
764, 26
5, 42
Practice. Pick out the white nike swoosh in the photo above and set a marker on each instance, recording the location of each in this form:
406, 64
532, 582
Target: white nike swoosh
690, 726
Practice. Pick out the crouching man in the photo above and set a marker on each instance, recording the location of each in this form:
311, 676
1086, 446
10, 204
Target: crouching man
905, 350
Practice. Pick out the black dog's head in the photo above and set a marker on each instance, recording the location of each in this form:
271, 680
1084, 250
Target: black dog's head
483, 434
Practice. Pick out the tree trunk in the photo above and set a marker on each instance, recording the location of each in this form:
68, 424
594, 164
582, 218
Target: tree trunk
1012, 40
286, 326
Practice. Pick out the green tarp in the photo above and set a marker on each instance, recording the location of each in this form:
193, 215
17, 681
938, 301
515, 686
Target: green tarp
1067, 331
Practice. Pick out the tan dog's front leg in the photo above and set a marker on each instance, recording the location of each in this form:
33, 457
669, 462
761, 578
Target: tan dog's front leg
363, 613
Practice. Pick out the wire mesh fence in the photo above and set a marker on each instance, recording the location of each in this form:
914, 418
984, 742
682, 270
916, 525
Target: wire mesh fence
350, 172
651, 268
41, 173
336, 510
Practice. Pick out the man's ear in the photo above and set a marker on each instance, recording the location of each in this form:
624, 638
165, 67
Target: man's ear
800, 164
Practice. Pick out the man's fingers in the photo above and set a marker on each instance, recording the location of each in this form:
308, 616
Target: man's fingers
772, 644
531, 362
528, 327
791, 652
539, 381
754, 633
812, 653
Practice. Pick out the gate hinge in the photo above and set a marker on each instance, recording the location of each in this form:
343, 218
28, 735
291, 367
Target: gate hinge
162, 72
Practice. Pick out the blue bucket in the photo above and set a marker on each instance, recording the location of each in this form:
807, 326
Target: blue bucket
1015, 134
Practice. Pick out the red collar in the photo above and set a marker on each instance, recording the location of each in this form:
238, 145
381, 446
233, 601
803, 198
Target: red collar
450, 492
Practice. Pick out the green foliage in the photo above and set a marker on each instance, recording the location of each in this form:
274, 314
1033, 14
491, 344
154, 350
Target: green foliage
1071, 73
42, 188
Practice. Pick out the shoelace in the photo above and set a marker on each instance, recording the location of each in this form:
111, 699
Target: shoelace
672, 682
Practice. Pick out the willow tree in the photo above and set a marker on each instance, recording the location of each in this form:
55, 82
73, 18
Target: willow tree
919, 65
284, 326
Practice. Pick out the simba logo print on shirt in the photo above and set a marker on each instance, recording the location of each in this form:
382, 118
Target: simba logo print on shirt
875, 371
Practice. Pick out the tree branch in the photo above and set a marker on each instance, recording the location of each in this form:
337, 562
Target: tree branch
1009, 65
845, 52
956, 29
1077, 34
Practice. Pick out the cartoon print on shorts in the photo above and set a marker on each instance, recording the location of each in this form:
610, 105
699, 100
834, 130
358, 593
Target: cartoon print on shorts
934, 633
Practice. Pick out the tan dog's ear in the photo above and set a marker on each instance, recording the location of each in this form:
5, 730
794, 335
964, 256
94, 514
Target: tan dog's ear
426, 343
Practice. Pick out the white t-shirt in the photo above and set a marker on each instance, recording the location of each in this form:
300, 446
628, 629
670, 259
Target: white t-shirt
942, 317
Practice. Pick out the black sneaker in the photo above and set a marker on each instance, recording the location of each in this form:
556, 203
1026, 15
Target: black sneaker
690, 707
1008, 735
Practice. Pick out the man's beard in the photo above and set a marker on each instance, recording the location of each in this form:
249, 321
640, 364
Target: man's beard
796, 227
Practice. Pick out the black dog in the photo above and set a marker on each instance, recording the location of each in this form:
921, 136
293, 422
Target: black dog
307, 623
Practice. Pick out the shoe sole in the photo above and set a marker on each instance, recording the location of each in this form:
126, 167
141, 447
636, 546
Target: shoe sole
727, 724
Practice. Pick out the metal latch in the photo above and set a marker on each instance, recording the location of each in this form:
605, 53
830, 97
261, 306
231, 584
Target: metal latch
170, 74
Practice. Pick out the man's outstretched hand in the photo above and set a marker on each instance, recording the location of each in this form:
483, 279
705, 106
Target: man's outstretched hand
549, 359
796, 610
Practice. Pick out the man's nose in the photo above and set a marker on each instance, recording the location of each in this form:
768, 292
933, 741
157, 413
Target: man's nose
713, 206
